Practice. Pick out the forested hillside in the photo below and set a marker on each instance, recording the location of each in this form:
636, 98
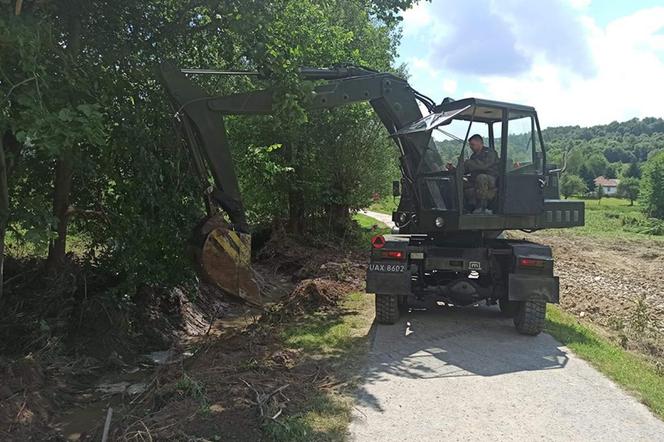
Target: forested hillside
619, 144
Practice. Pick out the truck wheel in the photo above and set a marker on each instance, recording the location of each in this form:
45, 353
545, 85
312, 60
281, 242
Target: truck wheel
387, 309
529, 319
508, 308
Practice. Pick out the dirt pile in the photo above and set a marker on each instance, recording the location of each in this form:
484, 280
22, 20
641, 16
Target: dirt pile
615, 283
315, 294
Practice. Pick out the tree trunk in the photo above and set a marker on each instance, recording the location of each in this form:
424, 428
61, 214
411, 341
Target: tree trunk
339, 217
4, 211
295, 212
64, 166
64, 171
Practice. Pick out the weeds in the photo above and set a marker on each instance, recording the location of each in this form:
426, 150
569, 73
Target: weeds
639, 320
190, 387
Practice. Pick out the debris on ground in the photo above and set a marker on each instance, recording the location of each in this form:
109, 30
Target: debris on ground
178, 365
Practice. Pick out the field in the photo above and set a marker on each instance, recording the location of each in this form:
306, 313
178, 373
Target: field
612, 218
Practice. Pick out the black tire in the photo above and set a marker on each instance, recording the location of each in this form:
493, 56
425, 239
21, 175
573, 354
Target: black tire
508, 308
530, 316
387, 309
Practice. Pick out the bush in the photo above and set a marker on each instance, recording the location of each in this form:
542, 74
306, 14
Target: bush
640, 224
572, 185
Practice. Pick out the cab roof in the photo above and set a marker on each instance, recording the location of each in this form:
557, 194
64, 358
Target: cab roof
485, 110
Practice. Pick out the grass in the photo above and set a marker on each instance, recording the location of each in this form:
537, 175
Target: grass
634, 373
368, 228
604, 219
338, 340
387, 204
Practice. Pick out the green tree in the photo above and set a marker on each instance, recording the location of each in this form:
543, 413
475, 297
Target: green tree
88, 133
633, 170
572, 185
597, 165
628, 187
652, 186
587, 177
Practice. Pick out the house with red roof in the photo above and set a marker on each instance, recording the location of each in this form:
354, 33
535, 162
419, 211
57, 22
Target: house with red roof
609, 185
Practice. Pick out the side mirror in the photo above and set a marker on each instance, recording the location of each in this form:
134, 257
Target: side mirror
396, 188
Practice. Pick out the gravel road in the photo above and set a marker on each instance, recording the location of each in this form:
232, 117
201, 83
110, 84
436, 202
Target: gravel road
465, 374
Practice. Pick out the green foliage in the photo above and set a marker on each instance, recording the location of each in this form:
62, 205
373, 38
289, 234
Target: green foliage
606, 149
386, 204
596, 165
78, 82
572, 185
628, 187
633, 170
652, 186
611, 218
640, 224
587, 177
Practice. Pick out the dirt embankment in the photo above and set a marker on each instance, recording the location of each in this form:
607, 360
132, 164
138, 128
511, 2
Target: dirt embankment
617, 284
220, 369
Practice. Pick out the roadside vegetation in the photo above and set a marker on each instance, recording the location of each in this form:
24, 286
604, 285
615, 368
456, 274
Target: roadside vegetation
386, 204
338, 340
635, 373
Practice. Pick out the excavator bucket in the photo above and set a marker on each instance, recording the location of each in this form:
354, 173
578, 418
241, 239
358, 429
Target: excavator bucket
224, 256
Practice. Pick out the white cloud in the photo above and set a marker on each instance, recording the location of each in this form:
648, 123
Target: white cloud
630, 70
416, 19
450, 86
627, 56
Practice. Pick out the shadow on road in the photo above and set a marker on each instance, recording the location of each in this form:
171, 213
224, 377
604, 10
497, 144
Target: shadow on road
454, 342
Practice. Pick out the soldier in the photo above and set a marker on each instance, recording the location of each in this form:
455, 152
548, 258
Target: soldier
483, 169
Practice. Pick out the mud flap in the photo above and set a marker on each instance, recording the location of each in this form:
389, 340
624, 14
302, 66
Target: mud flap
522, 287
225, 260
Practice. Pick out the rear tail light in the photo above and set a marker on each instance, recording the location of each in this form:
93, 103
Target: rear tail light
392, 254
532, 263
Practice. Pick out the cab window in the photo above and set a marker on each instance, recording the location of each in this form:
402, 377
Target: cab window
524, 151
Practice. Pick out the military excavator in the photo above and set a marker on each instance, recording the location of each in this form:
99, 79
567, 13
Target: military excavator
439, 252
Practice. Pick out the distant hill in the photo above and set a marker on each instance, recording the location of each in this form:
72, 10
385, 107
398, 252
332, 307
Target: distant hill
625, 142
604, 149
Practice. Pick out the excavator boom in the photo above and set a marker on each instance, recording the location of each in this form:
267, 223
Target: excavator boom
222, 248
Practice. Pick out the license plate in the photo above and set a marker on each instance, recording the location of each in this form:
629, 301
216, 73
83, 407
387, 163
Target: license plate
388, 268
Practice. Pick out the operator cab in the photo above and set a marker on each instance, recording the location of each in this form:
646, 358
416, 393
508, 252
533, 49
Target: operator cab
511, 130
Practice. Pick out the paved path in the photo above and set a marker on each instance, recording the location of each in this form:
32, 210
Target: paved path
382, 217
465, 374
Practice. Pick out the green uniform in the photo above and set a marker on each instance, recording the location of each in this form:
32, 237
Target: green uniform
483, 169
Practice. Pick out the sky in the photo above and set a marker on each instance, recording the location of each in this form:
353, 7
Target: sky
579, 62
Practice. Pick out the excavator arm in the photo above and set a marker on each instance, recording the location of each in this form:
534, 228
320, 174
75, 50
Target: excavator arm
224, 250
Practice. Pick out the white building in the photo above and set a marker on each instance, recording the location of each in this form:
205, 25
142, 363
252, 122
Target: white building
609, 185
